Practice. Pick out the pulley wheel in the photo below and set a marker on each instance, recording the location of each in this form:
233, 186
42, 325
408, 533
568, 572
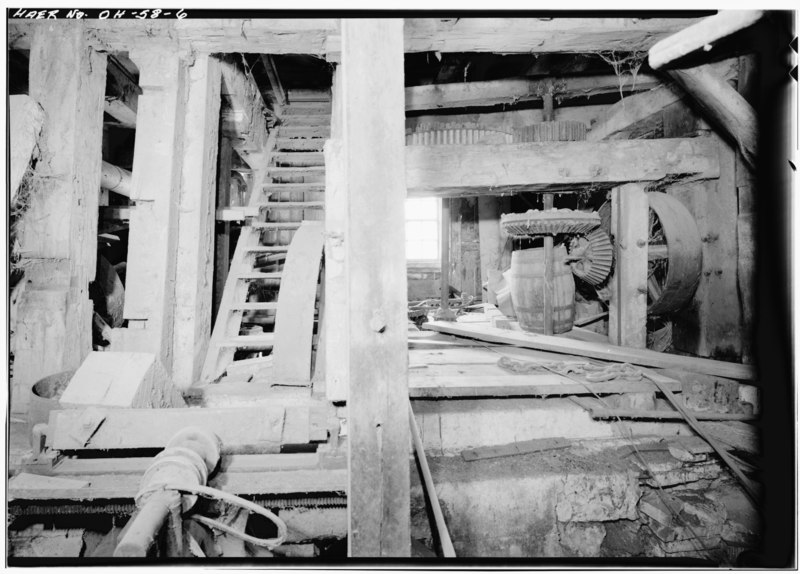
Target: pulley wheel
674, 253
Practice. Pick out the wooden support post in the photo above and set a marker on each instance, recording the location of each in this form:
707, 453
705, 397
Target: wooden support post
58, 232
378, 493
547, 201
444, 313
337, 314
491, 240
746, 224
151, 270
222, 245
195, 263
627, 312
710, 326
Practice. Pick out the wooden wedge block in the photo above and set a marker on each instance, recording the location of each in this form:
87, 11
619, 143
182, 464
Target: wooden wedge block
123, 380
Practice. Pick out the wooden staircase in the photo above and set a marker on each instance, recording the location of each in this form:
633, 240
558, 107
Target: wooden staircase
290, 190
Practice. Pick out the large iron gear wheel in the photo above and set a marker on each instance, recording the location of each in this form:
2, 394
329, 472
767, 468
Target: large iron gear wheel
596, 256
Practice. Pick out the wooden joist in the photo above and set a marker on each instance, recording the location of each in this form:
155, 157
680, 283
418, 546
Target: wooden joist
311, 36
621, 118
644, 357
509, 168
530, 35
514, 90
702, 34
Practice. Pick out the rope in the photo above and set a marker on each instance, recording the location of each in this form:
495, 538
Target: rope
209, 492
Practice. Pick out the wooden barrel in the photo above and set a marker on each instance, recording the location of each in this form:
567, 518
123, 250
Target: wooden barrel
528, 290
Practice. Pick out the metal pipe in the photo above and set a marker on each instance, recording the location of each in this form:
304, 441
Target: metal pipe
115, 179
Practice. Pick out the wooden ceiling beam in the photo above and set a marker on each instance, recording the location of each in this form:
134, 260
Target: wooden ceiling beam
514, 90
701, 35
311, 36
447, 171
530, 35
261, 36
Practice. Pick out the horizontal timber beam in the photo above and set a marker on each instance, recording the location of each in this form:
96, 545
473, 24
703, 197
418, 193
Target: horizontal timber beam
513, 90
528, 35
311, 36
447, 171
251, 35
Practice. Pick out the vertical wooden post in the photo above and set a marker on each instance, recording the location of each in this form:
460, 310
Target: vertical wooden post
337, 313
547, 204
491, 243
222, 245
444, 313
195, 262
746, 230
627, 312
151, 271
374, 240
58, 232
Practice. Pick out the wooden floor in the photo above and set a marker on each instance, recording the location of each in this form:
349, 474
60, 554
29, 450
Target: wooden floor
442, 366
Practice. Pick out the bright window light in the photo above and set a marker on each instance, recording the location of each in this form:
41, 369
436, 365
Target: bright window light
423, 217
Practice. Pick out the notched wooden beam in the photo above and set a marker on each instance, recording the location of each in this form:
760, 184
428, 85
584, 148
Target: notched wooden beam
529, 35
511, 168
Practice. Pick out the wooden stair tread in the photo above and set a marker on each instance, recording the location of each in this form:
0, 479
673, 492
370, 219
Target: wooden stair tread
306, 156
298, 144
281, 169
304, 187
258, 275
268, 249
308, 120
272, 305
305, 132
293, 205
275, 224
262, 340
